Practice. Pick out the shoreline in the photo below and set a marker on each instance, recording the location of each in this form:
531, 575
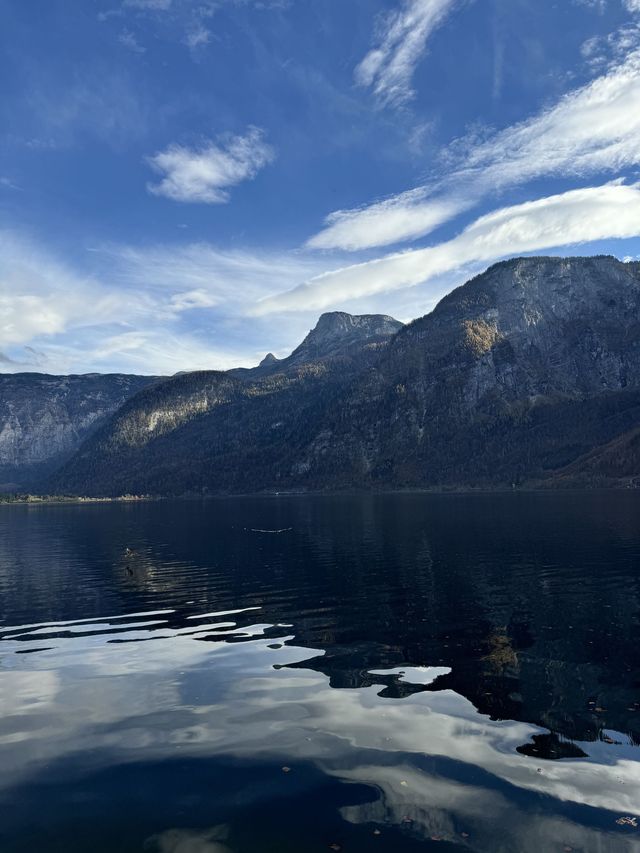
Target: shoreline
48, 500
28, 499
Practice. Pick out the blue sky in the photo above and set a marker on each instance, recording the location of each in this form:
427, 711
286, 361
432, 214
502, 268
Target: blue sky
188, 183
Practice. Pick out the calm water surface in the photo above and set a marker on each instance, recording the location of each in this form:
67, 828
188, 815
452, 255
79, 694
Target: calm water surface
385, 673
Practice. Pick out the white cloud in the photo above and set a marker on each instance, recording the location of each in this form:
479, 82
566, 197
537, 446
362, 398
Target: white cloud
597, 5
388, 68
578, 216
632, 5
161, 309
594, 129
127, 39
197, 36
8, 184
606, 50
231, 277
155, 350
159, 5
191, 299
401, 217
41, 296
147, 310
205, 174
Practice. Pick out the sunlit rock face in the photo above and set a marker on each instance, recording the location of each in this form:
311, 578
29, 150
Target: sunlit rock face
43, 418
528, 374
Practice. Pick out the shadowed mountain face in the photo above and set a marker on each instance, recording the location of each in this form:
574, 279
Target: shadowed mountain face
522, 375
44, 419
513, 376
235, 430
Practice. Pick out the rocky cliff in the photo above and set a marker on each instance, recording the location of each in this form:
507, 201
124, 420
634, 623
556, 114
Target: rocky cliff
521, 376
44, 419
513, 376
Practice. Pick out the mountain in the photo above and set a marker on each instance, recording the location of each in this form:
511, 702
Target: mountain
341, 335
527, 374
44, 419
513, 376
232, 430
617, 461
337, 337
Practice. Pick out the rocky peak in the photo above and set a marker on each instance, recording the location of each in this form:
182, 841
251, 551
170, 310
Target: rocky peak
531, 328
516, 294
269, 360
337, 332
526, 370
339, 324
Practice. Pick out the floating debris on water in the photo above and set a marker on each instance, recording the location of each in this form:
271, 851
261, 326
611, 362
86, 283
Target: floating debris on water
262, 530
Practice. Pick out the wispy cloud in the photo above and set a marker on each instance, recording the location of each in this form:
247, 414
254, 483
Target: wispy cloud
578, 216
204, 174
8, 184
601, 51
160, 309
103, 104
197, 36
146, 309
598, 5
128, 39
233, 277
159, 5
401, 42
41, 296
591, 130
401, 217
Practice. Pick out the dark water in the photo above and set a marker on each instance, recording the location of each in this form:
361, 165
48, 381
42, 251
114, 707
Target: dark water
391, 673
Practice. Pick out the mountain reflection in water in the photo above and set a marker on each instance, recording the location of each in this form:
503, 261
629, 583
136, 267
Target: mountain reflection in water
387, 672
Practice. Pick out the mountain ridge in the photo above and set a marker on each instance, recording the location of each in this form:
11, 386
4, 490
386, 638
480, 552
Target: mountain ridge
512, 379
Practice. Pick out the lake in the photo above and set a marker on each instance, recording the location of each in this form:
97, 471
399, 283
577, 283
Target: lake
299, 674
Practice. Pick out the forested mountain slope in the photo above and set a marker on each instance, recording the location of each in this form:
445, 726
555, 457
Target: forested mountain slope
512, 379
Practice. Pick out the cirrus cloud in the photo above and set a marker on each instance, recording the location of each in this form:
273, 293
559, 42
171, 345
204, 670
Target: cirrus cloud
389, 66
591, 130
146, 309
578, 216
